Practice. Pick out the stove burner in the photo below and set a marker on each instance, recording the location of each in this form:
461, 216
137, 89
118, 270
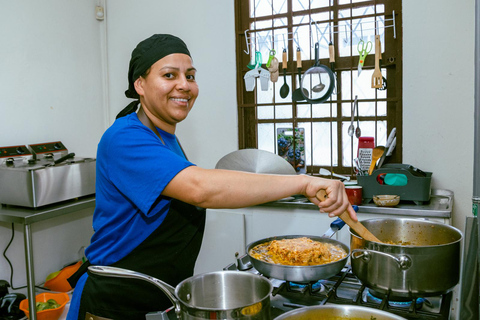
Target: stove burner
375, 297
345, 289
313, 287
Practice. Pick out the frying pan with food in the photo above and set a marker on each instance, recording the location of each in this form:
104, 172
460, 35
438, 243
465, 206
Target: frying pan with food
302, 274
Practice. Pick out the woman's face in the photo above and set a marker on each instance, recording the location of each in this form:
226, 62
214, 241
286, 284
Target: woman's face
169, 90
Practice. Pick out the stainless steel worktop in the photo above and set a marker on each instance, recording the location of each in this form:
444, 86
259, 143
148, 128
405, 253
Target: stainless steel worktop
439, 206
25, 215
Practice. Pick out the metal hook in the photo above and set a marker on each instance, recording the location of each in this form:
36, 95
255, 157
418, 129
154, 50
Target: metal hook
284, 44
346, 37
246, 42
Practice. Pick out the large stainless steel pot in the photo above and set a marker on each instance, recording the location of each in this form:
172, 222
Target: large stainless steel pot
426, 264
300, 274
338, 312
214, 295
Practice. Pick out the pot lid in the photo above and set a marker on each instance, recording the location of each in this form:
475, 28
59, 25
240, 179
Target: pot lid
256, 161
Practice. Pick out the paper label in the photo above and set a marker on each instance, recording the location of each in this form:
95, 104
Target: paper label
365, 158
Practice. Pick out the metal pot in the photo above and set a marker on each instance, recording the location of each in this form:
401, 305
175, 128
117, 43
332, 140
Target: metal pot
300, 274
338, 312
428, 265
214, 295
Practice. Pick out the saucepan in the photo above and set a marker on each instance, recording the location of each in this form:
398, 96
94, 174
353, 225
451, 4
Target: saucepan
338, 312
214, 295
417, 258
301, 274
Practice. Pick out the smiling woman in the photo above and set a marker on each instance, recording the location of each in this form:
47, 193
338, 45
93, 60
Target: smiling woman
150, 199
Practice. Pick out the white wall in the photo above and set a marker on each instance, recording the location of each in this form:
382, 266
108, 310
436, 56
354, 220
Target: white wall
207, 27
438, 95
51, 84
50, 79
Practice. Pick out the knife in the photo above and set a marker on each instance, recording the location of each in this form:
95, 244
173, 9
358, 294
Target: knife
390, 139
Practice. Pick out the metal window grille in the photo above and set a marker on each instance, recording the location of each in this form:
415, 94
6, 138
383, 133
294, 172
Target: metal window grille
265, 28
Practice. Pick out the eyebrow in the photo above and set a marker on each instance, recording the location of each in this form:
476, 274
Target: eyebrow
175, 68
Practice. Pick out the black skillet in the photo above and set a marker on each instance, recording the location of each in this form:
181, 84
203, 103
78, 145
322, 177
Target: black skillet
318, 82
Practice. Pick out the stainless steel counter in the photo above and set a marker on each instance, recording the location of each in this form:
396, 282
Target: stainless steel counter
28, 216
439, 206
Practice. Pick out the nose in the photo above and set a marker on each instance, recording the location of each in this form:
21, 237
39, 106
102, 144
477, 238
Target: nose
183, 83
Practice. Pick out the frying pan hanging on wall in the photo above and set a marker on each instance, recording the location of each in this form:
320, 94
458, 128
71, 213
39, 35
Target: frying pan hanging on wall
318, 82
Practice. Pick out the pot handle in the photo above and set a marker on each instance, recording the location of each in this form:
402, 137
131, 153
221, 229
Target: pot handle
125, 273
404, 262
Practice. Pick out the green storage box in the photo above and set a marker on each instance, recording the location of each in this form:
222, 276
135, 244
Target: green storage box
416, 189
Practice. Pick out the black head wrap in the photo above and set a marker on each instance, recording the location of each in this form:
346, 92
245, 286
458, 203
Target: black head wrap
144, 56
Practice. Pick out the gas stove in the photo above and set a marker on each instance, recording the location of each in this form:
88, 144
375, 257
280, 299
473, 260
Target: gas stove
345, 289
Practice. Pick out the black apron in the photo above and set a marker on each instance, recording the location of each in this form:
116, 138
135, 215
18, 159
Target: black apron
168, 254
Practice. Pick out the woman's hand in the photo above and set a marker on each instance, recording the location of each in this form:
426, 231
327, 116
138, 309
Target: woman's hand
337, 200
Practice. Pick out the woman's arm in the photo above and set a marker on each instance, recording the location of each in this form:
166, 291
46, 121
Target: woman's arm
216, 188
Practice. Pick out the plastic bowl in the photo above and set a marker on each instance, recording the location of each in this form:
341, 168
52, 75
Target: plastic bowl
50, 314
386, 200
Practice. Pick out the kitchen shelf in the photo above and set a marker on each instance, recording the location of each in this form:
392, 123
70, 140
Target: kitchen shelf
28, 216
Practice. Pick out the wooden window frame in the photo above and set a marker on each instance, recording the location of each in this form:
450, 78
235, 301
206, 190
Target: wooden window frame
391, 63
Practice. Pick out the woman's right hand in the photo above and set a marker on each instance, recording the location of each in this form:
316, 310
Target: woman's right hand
337, 199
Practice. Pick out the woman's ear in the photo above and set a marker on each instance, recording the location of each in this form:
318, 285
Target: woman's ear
138, 84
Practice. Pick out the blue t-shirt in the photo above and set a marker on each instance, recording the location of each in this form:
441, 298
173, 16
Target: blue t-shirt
133, 168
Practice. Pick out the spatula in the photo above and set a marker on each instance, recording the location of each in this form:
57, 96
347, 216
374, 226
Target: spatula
377, 78
376, 154
357, 226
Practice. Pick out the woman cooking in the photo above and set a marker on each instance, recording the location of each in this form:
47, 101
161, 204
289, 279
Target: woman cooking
149, 214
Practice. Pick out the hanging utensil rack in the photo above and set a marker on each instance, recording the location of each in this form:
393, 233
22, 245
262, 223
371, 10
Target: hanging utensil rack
251, 38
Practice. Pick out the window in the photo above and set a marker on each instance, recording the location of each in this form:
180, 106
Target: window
265, 29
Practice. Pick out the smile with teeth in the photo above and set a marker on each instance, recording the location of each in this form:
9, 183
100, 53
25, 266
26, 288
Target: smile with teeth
179, 99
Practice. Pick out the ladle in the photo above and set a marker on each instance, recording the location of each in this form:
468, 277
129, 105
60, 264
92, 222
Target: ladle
358, 132
325, 172
351, 128
356, 226
319, 87
284, 90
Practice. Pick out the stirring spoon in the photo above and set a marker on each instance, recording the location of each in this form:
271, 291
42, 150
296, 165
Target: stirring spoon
284, 90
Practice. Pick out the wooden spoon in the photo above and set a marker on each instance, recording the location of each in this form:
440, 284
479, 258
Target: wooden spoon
376, 154
357, 226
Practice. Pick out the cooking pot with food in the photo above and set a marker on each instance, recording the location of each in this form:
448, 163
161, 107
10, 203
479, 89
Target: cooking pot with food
417, 258
214, 295
338, 312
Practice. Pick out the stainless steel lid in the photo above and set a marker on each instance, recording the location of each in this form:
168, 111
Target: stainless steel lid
256, 161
